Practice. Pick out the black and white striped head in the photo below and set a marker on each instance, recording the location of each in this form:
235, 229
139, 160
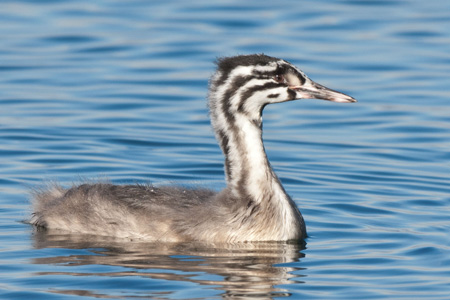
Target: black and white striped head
247, 83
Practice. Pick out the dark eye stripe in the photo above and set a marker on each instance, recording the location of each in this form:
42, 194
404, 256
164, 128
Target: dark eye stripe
250, 91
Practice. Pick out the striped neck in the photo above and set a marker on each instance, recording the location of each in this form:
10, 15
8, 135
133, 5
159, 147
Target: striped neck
239, 90
239, 132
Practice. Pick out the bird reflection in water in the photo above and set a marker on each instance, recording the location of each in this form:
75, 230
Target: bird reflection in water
243, 270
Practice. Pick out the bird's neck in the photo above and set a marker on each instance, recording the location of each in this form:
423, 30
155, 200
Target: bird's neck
248, 171
252, 186
252, 183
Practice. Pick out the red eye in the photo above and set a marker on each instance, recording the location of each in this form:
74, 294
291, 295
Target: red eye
279, 78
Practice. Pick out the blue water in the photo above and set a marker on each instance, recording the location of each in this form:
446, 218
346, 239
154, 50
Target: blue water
116, 89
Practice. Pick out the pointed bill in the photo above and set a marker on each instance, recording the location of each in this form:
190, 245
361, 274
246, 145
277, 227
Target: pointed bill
312, 90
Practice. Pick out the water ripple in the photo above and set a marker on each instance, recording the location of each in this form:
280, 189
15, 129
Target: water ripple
116, 91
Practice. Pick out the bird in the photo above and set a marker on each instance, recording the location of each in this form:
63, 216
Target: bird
253, 207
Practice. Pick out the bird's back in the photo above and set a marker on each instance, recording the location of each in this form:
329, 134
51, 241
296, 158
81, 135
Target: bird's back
123, 211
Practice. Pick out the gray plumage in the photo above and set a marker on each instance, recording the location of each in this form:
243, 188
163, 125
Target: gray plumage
253, 207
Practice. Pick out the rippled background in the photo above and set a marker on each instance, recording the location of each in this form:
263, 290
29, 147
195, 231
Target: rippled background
116, 89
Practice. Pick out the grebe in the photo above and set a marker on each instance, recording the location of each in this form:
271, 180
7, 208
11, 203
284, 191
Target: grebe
253, 207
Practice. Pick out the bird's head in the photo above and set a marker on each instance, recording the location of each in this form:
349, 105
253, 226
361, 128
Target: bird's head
246, 83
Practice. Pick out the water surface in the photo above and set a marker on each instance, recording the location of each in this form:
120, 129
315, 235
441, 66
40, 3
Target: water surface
116, 90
